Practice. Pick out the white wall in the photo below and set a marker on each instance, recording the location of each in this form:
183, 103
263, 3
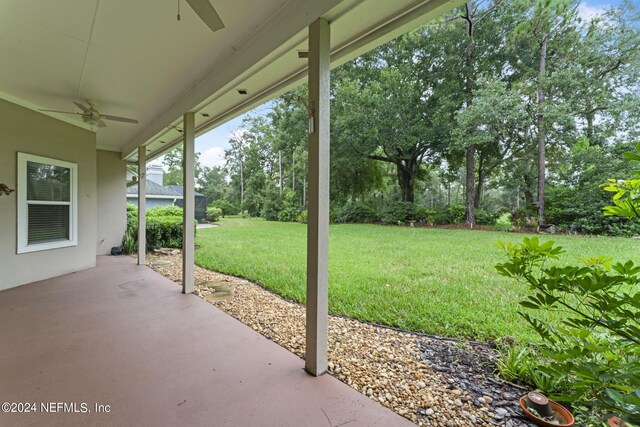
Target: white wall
27, 131
112, 204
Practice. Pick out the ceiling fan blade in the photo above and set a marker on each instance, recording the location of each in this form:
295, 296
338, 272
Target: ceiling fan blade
87, 110
118, 119
63, 112
207, 13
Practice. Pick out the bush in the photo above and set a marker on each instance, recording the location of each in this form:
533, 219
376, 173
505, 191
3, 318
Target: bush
398, 213
130, 239
592, 358
132, 212
503, 223
163, 231
213, 214
485, 217
289, 214
453, 214
271, 208
333, 215
158, 211
424, 215
225, 206
303, 217
565, 209
356, 212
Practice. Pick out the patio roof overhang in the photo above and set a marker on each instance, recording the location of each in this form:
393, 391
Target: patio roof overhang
135, 59
131, 59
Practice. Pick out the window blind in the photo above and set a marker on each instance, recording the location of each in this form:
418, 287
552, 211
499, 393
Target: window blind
48, 223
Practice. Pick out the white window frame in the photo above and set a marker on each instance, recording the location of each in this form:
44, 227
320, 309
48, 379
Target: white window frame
23, 205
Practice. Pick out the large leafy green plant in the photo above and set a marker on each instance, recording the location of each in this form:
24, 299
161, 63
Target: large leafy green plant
593, 356
626, 197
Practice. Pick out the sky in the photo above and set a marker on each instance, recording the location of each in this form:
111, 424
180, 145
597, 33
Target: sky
212, 144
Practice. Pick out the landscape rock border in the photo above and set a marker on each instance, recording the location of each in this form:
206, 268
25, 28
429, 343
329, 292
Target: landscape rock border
429, 381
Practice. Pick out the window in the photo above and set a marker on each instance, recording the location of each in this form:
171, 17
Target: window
47, 203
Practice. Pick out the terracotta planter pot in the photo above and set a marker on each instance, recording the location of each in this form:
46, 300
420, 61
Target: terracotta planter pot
557, 408
615, 422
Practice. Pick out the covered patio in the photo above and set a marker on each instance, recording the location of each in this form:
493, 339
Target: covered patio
110, 331
121, 335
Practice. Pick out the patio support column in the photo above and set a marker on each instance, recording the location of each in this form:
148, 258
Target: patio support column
142, 205
188, 203
318, 220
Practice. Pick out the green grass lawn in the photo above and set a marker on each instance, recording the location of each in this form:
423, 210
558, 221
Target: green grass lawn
436, 281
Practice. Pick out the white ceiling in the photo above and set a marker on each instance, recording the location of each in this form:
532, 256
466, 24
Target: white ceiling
134, 59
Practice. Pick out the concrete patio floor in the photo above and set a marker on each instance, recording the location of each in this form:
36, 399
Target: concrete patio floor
123, 336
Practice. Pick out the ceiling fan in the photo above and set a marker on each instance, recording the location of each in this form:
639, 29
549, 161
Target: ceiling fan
206, 12
92, 116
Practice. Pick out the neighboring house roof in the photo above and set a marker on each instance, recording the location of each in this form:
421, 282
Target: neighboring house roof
178, 189
154, 189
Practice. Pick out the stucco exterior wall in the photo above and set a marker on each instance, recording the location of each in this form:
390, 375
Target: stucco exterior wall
27, 131
112, 205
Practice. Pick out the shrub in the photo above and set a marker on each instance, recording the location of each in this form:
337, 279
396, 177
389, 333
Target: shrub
303, 217
593, 357
333, 215
289, 214
356, 212
225, 206
271, 208
425, 215
130, 239
159, 211
398, 213
503, 223
519, 220
213, 214
163, 231
485, 217
132, 212
453, 214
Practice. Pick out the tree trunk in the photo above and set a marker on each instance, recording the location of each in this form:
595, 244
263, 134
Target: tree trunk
471, 149
241, 185
479, 189
293, 172
304, 192
470, 181
541, 131
478, 195
406, 181
281, 182
528, 201
589, 116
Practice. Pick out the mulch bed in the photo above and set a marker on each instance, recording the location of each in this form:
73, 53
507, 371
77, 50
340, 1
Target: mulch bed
428, 380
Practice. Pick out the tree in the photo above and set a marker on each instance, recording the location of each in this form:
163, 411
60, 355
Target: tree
251, 164
549, 21
470, 168
400, 100
496, 124
214, 183
173, 163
